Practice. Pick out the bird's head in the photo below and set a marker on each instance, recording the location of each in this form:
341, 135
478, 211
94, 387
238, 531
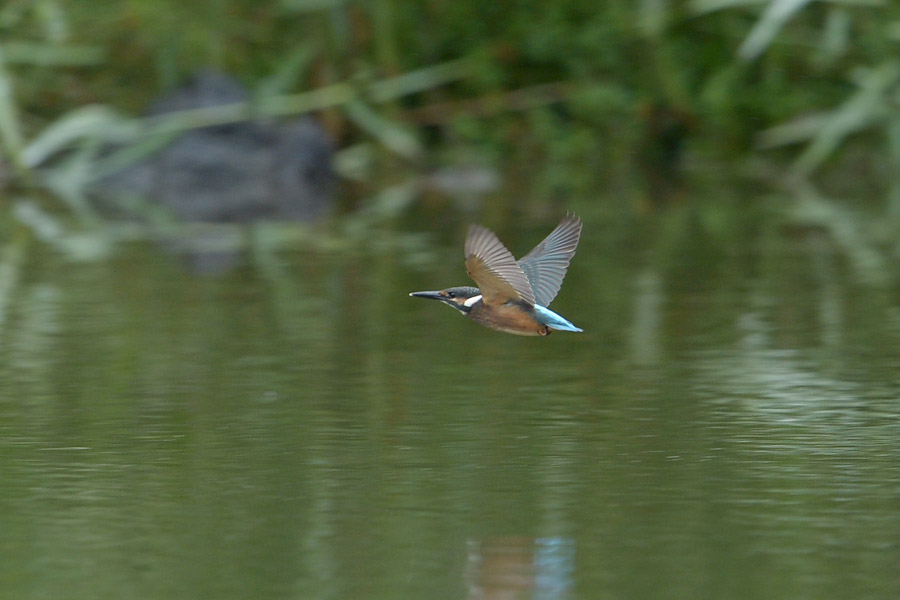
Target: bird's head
461, 298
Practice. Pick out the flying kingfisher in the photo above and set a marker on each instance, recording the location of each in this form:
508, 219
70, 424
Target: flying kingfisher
513, 296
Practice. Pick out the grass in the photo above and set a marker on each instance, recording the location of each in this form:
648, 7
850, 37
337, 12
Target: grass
550, 89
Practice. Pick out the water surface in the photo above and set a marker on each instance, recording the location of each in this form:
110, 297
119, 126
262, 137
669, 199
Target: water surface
726, 427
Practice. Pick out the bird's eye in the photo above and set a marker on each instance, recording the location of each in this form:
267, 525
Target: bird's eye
451, 294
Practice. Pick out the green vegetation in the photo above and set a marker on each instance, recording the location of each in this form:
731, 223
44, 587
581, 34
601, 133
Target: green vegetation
564, 97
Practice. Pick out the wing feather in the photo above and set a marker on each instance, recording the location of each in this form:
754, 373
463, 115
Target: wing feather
546, 265
494, 269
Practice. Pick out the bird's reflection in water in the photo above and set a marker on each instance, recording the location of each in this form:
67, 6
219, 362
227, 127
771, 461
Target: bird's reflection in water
510, 568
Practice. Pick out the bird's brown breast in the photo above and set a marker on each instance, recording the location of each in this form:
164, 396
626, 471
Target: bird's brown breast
511, 317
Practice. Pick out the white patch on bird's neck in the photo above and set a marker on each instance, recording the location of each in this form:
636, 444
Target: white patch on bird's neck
471, 301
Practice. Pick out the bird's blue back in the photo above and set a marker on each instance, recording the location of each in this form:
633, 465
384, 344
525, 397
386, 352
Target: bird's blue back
547, 317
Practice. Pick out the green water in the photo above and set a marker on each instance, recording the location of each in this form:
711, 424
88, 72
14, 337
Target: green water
726, 427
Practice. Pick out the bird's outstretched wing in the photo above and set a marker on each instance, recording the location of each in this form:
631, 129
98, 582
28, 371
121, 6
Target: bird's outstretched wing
494, 269
546, 265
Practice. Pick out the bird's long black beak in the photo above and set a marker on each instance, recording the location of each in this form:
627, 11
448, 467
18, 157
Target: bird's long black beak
430, 295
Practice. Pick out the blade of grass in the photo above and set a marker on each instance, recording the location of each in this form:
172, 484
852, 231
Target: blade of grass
93, 121
801, 129
303, 6
85, 246
11, 134
419, 80
289, 70
68, 180
700, 7
868, 105
53, 18
776, 15
130, 154
392, 135
47, 55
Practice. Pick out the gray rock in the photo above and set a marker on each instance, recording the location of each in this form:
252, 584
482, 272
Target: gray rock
237, 172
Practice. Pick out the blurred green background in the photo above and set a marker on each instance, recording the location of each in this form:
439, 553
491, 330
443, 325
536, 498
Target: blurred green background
793, 98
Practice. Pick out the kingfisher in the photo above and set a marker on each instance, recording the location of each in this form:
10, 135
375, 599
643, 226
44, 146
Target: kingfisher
513, 296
